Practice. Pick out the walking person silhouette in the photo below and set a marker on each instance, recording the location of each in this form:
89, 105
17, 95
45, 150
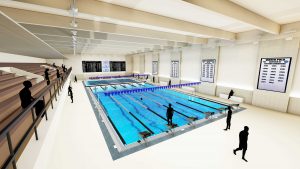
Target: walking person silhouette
170, 112
228, 120
243, 142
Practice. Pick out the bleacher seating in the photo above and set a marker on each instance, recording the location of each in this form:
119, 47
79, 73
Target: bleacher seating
10, 104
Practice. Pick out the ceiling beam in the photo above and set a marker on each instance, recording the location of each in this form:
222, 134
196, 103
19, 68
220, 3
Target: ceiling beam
15, 39
46, 19
232, 10
111, 11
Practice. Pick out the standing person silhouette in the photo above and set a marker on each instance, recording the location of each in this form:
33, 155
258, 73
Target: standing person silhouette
75, 79
243, 142
228, 120
170, 112
57, 73
25, 94
169, 84
153, 79
71, 96
47, 76
69, 90
230, 94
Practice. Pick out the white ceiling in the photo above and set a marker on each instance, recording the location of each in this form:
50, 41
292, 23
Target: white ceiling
280, 11
95, 42
181, 10
15, 39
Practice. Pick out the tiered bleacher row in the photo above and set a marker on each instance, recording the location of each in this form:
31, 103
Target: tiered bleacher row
10, 105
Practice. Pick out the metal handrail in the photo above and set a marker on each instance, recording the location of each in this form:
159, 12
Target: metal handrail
5, 132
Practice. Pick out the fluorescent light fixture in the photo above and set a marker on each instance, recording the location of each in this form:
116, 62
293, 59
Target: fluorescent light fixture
74, 32
74, 24
74, 38
289, 38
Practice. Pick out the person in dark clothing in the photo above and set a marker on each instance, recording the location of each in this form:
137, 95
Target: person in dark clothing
170, 112
169, 84
57, 73
243, 142
69, 90
147, 77
230, 94
25, 94
75, 79
153, 79
54, 65
47, 76
71, 96
228, 120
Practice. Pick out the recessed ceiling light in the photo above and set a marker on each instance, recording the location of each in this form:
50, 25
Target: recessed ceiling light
74, 24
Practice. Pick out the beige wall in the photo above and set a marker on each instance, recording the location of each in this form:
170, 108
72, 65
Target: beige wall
276, 48
237, 68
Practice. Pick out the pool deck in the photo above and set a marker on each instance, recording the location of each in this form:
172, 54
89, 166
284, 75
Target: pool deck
79, 143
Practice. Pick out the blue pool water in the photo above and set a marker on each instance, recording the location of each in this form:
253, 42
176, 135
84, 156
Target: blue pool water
108, 81
130, 115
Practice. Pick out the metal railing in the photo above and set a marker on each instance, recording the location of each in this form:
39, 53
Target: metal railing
5, 133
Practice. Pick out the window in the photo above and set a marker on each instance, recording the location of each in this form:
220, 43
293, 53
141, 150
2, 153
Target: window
154, 67
175, 69
91, 66
116, 66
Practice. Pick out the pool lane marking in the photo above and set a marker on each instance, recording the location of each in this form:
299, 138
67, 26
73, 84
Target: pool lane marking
153, 124
123, 86
113, 86
164, 98
132, 115
203, 98
202, 104
190, 107
146, 107
189, 100
166, 106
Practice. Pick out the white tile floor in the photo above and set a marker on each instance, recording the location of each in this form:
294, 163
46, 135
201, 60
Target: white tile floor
274, 143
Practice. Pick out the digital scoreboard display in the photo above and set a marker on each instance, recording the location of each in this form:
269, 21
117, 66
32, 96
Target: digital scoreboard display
273, 74
208, 70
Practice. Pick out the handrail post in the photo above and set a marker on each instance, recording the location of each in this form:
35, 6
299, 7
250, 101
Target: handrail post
35, 130
55, 92
45, 110
11, 150
57, 82
51, 98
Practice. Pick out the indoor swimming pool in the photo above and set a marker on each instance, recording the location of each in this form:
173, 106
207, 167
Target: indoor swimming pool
131, 114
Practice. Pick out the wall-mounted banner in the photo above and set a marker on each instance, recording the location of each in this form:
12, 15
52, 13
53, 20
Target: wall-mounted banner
208, 70
175, 69
154, 67
105, 66
273, 74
